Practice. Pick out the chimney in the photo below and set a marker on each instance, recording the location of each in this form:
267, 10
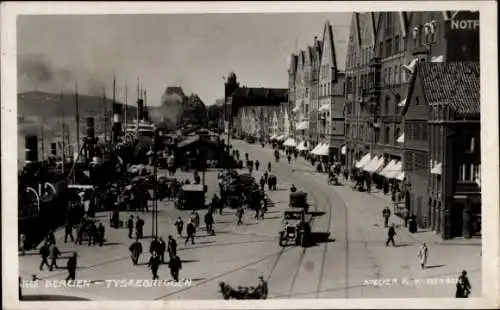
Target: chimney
53, 149
90, 127
140, 110
146, 114
31, 149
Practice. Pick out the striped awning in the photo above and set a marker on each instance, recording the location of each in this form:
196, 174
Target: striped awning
363, 161
394, 171
302, 146
401, 139
374, 165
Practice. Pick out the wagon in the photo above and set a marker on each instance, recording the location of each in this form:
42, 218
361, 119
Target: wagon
191, 196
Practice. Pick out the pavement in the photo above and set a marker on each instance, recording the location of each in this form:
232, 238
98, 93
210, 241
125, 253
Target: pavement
352, 262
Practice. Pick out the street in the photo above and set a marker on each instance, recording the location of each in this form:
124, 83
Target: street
351, 262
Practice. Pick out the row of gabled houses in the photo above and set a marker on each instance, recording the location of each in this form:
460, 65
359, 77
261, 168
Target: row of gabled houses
406, 108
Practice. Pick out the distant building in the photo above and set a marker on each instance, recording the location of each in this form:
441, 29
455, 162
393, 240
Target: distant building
442, 148
256, 110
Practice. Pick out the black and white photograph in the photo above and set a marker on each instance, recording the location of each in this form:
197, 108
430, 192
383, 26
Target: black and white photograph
296, 155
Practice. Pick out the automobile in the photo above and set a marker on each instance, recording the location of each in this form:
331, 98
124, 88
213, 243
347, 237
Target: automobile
299, 200
296, 228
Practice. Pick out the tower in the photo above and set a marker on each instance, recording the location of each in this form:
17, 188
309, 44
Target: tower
229, 87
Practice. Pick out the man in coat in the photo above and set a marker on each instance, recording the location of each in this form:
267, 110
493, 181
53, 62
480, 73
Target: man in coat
161, 250
386, 213
190, 230
130, 226
44, 253
390, 235
175, 265
100, 234
54, 255
135, 251
172, 247
154, 264
71, 266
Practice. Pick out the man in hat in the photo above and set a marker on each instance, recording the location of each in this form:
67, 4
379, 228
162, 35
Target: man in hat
172, 247
71, 266
161, 249
175, 265
179, 225
130, 226
390, 235
154, 264
54, 255
135, 251
139, 224
190, 231
44, 253
463, 286
68, 231
262, 288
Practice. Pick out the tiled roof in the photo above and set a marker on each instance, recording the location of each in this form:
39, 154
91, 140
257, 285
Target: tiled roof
453, 83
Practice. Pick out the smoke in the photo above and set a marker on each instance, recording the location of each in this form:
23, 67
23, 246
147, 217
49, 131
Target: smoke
36, 72
171, 107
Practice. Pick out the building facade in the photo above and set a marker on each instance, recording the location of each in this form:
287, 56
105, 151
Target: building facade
360, 48
314, 114
442, 148
255, 111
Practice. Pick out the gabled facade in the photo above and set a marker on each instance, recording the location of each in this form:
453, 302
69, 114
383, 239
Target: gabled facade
442, 148
316, 51
287, 110
360, 48
301, 109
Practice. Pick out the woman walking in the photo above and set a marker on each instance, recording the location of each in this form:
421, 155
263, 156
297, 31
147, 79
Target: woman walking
422, 255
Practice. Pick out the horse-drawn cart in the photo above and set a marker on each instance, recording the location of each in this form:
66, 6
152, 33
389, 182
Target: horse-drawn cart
191, 196
299, 200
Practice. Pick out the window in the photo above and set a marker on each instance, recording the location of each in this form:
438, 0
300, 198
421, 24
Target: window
476, 172
425, 132
434, 33
306, 108
395, 80
387, 104
388, 48
389, 76
386, 136
396, 44
421, 35
381, 50
462, 172
472, 145
328, 88
417, 100
398, 133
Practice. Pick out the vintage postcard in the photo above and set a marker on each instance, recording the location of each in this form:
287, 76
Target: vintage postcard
250, 155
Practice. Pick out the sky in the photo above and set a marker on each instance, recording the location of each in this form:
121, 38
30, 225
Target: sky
194, 51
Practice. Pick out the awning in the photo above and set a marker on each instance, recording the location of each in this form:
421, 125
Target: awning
343, 150
303, 125
273, 137
316, 148
402, 103
437, 169
394, 171
401, 139
302, 146
323, 150
388, 168
325, 107
290, 142
281, 138
401, 176
363, 161
374, 165
296, 109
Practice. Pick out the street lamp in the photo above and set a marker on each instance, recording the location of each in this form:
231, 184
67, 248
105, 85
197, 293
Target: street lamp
154, 223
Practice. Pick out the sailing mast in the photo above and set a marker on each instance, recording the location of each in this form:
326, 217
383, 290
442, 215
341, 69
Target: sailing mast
126, 95
62, 133
77, 116
105, 114
138, 97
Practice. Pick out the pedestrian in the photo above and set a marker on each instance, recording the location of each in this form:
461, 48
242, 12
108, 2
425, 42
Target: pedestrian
246, 156
153, 247
44, 253
346, 174
295, 154
386, 187
406, 216
240, 213
422, 255
258, 208
154, 264
100, 234
135, 251
195, 218
257, 165
262, 288
161, 250
269, 166
92, 234
390, 235
172, 247
289, 157
54, 255
139, 224
22, 243
179, 224
266, 176
175, 265
463, 286
71, 266
190, 231
386, 213
293, 189
130, 226
51, 238
79, 234
209, 221
68, 231
262, 183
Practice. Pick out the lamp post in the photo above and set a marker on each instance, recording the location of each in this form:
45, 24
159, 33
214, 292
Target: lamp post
154, 223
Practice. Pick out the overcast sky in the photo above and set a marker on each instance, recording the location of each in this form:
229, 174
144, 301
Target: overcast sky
192, 51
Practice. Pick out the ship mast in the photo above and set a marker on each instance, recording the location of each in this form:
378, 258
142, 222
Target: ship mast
126, 95
77, 116
105, 114
63, 134
138, 97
